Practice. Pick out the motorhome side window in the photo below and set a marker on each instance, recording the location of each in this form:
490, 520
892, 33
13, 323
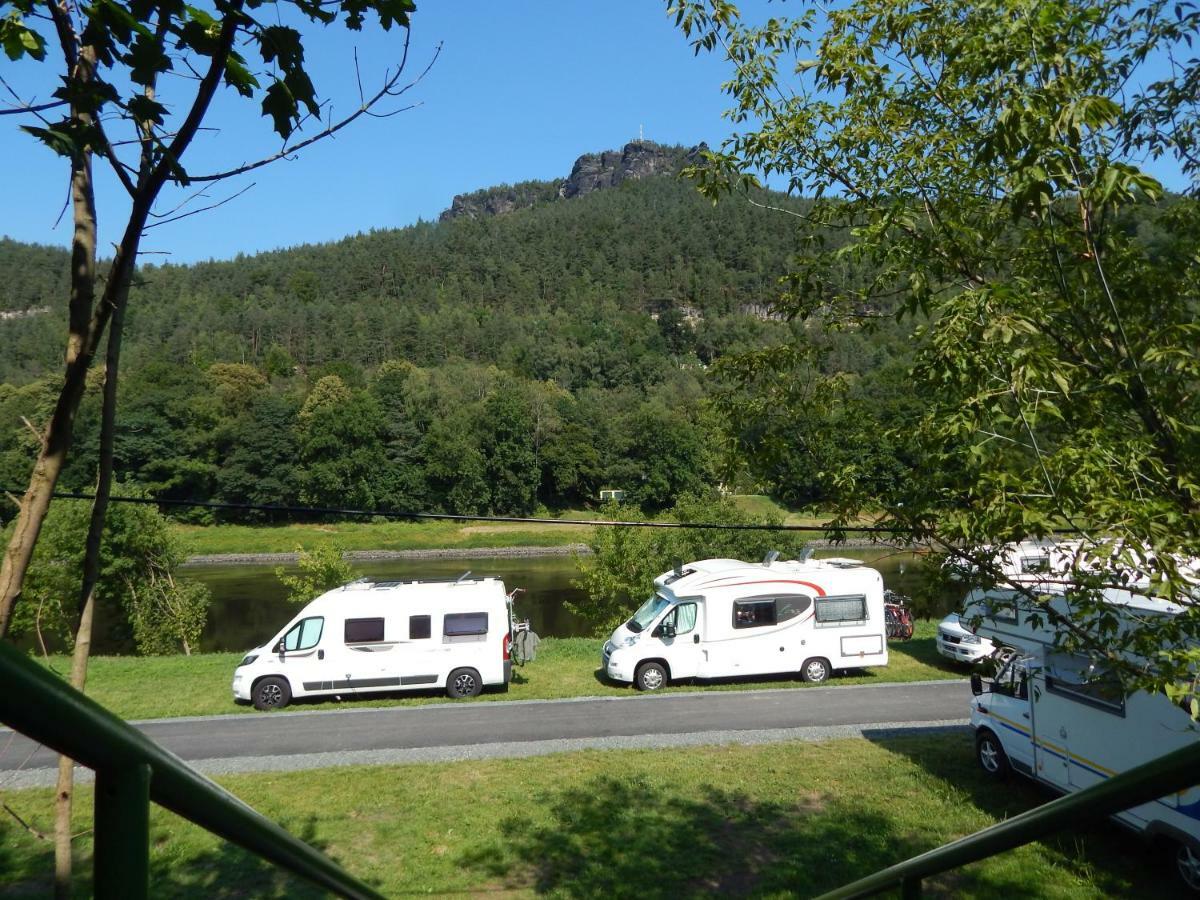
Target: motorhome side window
418, 628
305, 634
464, 627
753, 613
364, 631
1075, 678
841, 610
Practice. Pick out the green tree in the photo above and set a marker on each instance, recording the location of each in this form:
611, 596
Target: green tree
321, 569
339, 437
619, 573
508, 448
979, 162
137, 587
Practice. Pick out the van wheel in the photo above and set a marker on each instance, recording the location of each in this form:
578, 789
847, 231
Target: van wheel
992, 758
272, 693
1187, 862
650, 676
463, 683
815, 670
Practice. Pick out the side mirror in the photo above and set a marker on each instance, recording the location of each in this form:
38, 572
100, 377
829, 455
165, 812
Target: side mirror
976, 684
665, 630
279, 647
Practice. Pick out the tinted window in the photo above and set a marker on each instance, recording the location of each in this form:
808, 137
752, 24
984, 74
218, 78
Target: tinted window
418, 628
457, 624
841, 610
753, 613
305, 634
364, 631
790, 607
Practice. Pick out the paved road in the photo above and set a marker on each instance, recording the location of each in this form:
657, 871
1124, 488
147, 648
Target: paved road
320, 737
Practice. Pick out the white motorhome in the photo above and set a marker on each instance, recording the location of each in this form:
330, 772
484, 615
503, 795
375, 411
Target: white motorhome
385, 636
718, 618
1054, 717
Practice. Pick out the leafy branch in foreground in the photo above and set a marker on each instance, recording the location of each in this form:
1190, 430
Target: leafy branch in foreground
981, 162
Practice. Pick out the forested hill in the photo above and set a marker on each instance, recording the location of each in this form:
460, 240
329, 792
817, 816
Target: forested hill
563, 291
489, 364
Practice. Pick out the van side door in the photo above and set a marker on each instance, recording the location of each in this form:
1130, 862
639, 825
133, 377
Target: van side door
680, 639
301, 654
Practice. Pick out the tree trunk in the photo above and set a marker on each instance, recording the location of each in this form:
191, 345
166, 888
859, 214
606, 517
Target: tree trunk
57, 440
66, 766
87, 593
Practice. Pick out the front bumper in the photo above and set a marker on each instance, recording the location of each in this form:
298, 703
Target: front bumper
615, 664
241, 686
962, 652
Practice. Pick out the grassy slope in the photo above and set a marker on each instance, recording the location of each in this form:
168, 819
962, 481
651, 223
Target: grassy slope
773, 820
154, 687
425, 535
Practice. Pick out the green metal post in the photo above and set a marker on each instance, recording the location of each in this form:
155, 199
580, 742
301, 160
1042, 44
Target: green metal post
121, 840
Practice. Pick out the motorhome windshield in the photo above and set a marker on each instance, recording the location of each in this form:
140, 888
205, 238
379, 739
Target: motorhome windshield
648, 613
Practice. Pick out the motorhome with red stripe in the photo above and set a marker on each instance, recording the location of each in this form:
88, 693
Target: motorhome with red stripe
722, 618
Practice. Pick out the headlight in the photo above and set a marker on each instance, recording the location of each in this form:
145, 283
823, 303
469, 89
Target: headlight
629, 641
971, 639
247, 660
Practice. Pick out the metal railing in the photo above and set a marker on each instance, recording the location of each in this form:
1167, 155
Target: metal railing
131, 771
1167, 774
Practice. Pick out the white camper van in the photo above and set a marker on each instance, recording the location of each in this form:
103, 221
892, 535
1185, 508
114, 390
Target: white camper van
1056, 718
385, 636
722, 617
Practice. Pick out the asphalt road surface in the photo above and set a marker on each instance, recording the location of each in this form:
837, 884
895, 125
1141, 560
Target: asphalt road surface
317, 736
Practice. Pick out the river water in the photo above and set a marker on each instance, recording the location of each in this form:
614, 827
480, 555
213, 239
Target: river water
249, 603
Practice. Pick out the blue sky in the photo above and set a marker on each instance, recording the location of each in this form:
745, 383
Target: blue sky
519, 91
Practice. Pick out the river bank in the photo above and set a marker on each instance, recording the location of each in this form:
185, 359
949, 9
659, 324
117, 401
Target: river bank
246, 559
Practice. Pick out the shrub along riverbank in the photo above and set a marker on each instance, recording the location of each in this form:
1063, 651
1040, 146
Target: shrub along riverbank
152, 687
789, 819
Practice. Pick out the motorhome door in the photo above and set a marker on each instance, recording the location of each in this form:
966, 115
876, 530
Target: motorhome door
679, 631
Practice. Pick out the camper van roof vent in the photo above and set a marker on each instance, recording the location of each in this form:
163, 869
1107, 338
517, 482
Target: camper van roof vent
842, 562
388, 584
771, 556
679, 572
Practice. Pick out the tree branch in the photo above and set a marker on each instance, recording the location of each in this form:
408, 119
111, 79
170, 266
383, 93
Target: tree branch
388, 90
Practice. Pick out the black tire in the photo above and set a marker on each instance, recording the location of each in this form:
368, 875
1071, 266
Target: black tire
272, 693
1187, 864
992, 758
650, 676
816, 670
462, 684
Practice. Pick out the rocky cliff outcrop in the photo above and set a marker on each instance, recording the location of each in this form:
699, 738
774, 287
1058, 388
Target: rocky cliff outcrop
591, 172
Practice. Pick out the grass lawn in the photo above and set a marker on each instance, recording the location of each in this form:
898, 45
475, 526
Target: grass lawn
166, 686
778, 820
200, 540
